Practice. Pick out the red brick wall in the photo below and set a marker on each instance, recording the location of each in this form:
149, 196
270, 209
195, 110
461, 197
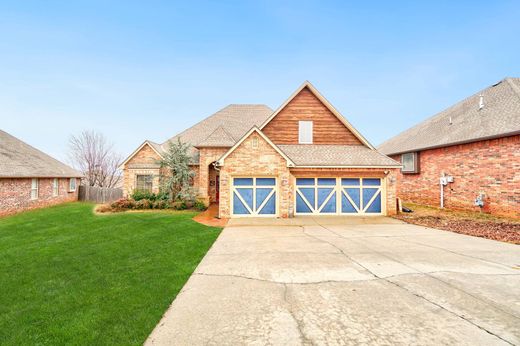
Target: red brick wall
15, 194
491, 167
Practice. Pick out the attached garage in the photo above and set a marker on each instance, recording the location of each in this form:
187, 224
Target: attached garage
254, 196
350, 196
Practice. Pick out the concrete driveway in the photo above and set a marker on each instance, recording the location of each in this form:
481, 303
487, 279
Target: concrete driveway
347, 281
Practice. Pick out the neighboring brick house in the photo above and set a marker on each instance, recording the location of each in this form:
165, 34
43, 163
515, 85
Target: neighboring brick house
32, 179
475, 143
302, 159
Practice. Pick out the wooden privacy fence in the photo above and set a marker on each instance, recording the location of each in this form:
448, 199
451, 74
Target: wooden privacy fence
99, 194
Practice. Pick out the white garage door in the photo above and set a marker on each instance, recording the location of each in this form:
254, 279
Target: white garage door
339, 196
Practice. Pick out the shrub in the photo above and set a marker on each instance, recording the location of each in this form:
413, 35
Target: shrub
104, 208
122, 204
160, 204
179, 205
200, 206
143, 204
140, 195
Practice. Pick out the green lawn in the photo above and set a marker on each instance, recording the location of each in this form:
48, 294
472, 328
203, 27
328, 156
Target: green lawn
68, 276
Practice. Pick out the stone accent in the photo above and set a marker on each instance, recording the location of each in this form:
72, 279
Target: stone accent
15, 194
491, 167
208, 155
263, 161
144, 162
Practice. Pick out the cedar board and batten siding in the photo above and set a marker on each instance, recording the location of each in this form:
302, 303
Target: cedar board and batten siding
327, 128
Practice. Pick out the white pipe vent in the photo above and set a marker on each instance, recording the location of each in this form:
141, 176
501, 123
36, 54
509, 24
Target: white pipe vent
481, 102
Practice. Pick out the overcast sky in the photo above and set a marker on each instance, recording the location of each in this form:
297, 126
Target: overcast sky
138, 70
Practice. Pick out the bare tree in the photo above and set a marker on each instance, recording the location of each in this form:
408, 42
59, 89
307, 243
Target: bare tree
91, 153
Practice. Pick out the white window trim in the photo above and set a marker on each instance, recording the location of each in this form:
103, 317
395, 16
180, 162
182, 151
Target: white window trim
414, 168
70, 184
55, 187
301, 128
35, 184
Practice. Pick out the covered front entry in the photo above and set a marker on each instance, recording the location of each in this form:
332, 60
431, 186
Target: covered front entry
357, 196
253, 196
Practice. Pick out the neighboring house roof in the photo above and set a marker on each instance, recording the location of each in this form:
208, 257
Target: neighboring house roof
305, 155
20, 160
465, 121
327, 104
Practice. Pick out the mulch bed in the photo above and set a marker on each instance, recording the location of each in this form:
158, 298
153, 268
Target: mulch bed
494, 228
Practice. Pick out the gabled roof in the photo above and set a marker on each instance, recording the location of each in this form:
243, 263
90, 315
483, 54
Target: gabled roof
220, 162
465, 121
236, 119
20, 160
218, 138
353, 156
327, 104
155, 147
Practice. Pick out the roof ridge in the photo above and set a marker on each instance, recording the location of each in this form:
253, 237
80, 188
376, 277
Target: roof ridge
513, 86
18, 141
442, 112
213, 115
221, 128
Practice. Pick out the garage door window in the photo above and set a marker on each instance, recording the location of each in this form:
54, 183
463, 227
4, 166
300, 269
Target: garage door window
361, 195
338, 196
254, 196
316, 195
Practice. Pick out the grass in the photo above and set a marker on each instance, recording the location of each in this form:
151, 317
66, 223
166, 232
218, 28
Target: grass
68, 276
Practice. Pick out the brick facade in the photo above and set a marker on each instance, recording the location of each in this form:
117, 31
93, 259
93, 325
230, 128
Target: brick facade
491, 167
15, 194
263, 161
144, 162
207, 173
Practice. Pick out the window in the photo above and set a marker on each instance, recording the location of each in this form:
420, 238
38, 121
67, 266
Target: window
72, 184
305, 132
55, 187
144, 183
410, 162
34, 189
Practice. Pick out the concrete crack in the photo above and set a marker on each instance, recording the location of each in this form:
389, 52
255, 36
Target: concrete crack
404, 288
299, 322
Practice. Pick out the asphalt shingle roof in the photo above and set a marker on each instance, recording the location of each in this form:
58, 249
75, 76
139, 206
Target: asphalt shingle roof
20, 160
218, 138
336, 155
235, 119
464, 122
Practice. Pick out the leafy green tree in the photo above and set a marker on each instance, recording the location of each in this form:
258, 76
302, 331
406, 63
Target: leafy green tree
176, 175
